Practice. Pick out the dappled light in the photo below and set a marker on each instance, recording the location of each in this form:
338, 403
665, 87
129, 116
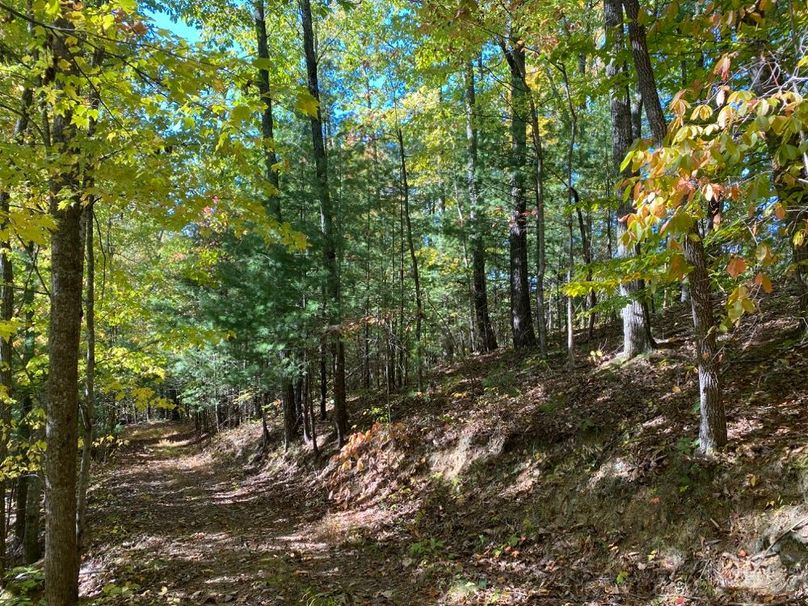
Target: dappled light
403, 303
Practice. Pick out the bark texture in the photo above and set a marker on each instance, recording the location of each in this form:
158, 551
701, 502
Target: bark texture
521, 320
486, 339
635, 340
61, 427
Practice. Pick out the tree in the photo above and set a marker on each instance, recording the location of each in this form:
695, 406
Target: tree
635, 340
329, 244
521, 321
486, 339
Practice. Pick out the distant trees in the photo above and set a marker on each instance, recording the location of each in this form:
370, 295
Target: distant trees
217, 289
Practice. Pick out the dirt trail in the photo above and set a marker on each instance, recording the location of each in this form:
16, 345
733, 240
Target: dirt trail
173, 525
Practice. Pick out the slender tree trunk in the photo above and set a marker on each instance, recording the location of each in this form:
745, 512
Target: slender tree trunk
570, 302
323, 380
635, 339
541, 256
486, 340
521, 321
326, 226
571, 203
6, 314
267, 120
88, 409
272, 187
419, 306
713, 428
31, 548
586, 252
645, 71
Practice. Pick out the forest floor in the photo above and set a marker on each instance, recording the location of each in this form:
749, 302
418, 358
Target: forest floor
513, 480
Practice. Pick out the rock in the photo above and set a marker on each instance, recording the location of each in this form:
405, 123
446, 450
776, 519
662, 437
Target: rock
793, 551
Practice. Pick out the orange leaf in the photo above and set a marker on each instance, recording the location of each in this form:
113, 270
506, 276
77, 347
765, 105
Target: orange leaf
736, 267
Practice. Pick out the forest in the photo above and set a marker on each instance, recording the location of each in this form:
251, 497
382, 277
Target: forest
403, 302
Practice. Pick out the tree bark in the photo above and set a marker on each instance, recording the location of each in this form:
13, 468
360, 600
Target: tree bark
6, 315
713, 428
541, 256
326, 227
88, 409
419, 306
61, 427
486, 339
713, 425
645, 71
521, 321
267, 120
635, 340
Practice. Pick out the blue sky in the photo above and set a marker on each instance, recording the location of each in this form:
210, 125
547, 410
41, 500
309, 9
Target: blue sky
180, 28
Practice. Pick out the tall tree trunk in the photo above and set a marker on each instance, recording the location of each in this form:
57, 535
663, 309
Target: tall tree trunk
635, 335
88, 408
713, 427
61, 428
521, 321
586, 252
88, 404
419, 306
486, 339
6, 314
272, 201
267, 121
541, 256
29, 495
326, 226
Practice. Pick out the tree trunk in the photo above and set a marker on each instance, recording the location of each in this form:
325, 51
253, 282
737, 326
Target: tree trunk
88, 410
521, 321
713, 428
645, 72
486, 339
326, 226
30, 545
6, 314
635, 340
541, 256
419, 306
61, 428
586, 252
267, 120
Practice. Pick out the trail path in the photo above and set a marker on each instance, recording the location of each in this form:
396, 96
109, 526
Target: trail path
172, 525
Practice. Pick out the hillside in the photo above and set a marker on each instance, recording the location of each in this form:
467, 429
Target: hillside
512, 481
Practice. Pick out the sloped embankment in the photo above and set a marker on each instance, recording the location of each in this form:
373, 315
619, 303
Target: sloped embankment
513, 481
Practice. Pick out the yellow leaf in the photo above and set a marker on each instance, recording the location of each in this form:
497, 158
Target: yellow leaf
764, 282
